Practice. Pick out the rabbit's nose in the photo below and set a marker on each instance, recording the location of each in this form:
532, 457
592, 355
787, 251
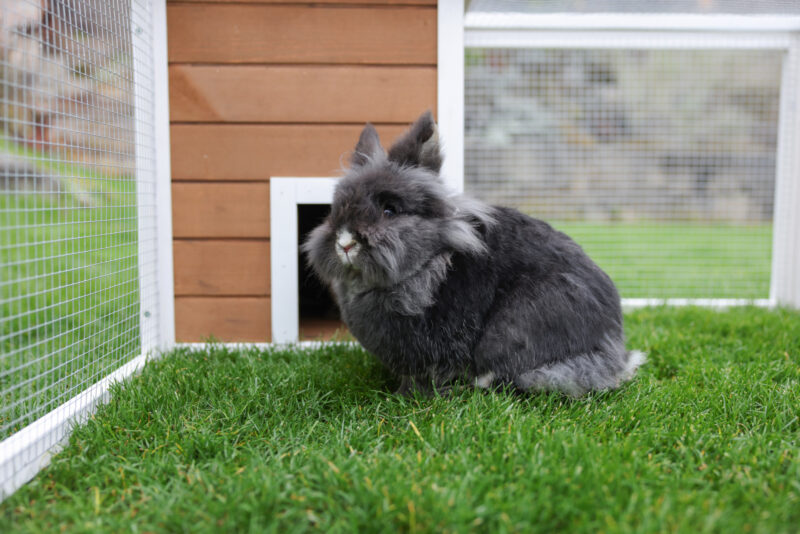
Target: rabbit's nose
346, 241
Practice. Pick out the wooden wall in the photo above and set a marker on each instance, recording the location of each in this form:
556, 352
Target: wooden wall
260, 88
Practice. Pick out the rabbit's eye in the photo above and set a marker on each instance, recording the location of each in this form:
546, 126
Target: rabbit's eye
389, 210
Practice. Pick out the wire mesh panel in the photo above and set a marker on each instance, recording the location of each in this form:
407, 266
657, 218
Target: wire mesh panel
660, 163
76, 209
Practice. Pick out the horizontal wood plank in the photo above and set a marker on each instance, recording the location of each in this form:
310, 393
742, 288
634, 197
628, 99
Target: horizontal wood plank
219, 267
323, 330
220, 210
314, 94
235, 33
258, 152
240, 319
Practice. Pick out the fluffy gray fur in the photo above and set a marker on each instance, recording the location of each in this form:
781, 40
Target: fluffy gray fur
442, 287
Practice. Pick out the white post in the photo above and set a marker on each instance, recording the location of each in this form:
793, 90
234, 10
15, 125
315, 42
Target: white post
154, 198
163, 170
284, 300
785, 282
144, 92
450, 89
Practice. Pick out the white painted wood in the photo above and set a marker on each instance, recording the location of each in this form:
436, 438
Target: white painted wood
163, 170
677, 22
145, 175
720, 304
785, 280
450, 90
310, 345
283, 260
314, 190
285, 195
623, 39
25, 453
620, 30
154, 191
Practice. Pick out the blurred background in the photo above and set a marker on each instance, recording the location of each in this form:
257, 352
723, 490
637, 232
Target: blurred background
661, 162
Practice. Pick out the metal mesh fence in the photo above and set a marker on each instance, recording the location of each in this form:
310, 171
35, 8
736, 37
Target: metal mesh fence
76, 207
660, 163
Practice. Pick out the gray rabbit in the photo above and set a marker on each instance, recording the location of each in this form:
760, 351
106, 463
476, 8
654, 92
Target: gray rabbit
442, 287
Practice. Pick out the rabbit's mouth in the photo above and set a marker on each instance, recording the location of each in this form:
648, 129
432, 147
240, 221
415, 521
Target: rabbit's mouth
347, 248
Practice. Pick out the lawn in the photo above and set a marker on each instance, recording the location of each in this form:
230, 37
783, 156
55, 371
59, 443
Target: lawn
680, 260
705, 439
69, 287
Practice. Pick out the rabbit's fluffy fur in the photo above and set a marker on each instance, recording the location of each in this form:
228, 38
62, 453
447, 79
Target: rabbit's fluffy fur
442, 287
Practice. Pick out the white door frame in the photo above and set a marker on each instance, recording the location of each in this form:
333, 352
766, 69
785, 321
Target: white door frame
285, 195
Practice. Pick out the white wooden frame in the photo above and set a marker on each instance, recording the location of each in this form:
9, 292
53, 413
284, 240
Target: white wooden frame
285, 195
26, 452
665, 31
163, 170
450, 90
785, 280
157, 308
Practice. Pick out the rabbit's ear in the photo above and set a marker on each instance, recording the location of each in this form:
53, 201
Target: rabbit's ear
368, 147
419, 146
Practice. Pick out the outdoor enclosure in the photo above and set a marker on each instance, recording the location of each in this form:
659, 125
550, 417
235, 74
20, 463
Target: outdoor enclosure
81, 295
666, 142
659, 135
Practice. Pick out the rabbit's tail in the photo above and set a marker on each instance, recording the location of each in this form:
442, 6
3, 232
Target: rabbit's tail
581, 374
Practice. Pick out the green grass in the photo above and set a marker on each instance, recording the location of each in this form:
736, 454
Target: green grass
68, 289
682, 260
705, 439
